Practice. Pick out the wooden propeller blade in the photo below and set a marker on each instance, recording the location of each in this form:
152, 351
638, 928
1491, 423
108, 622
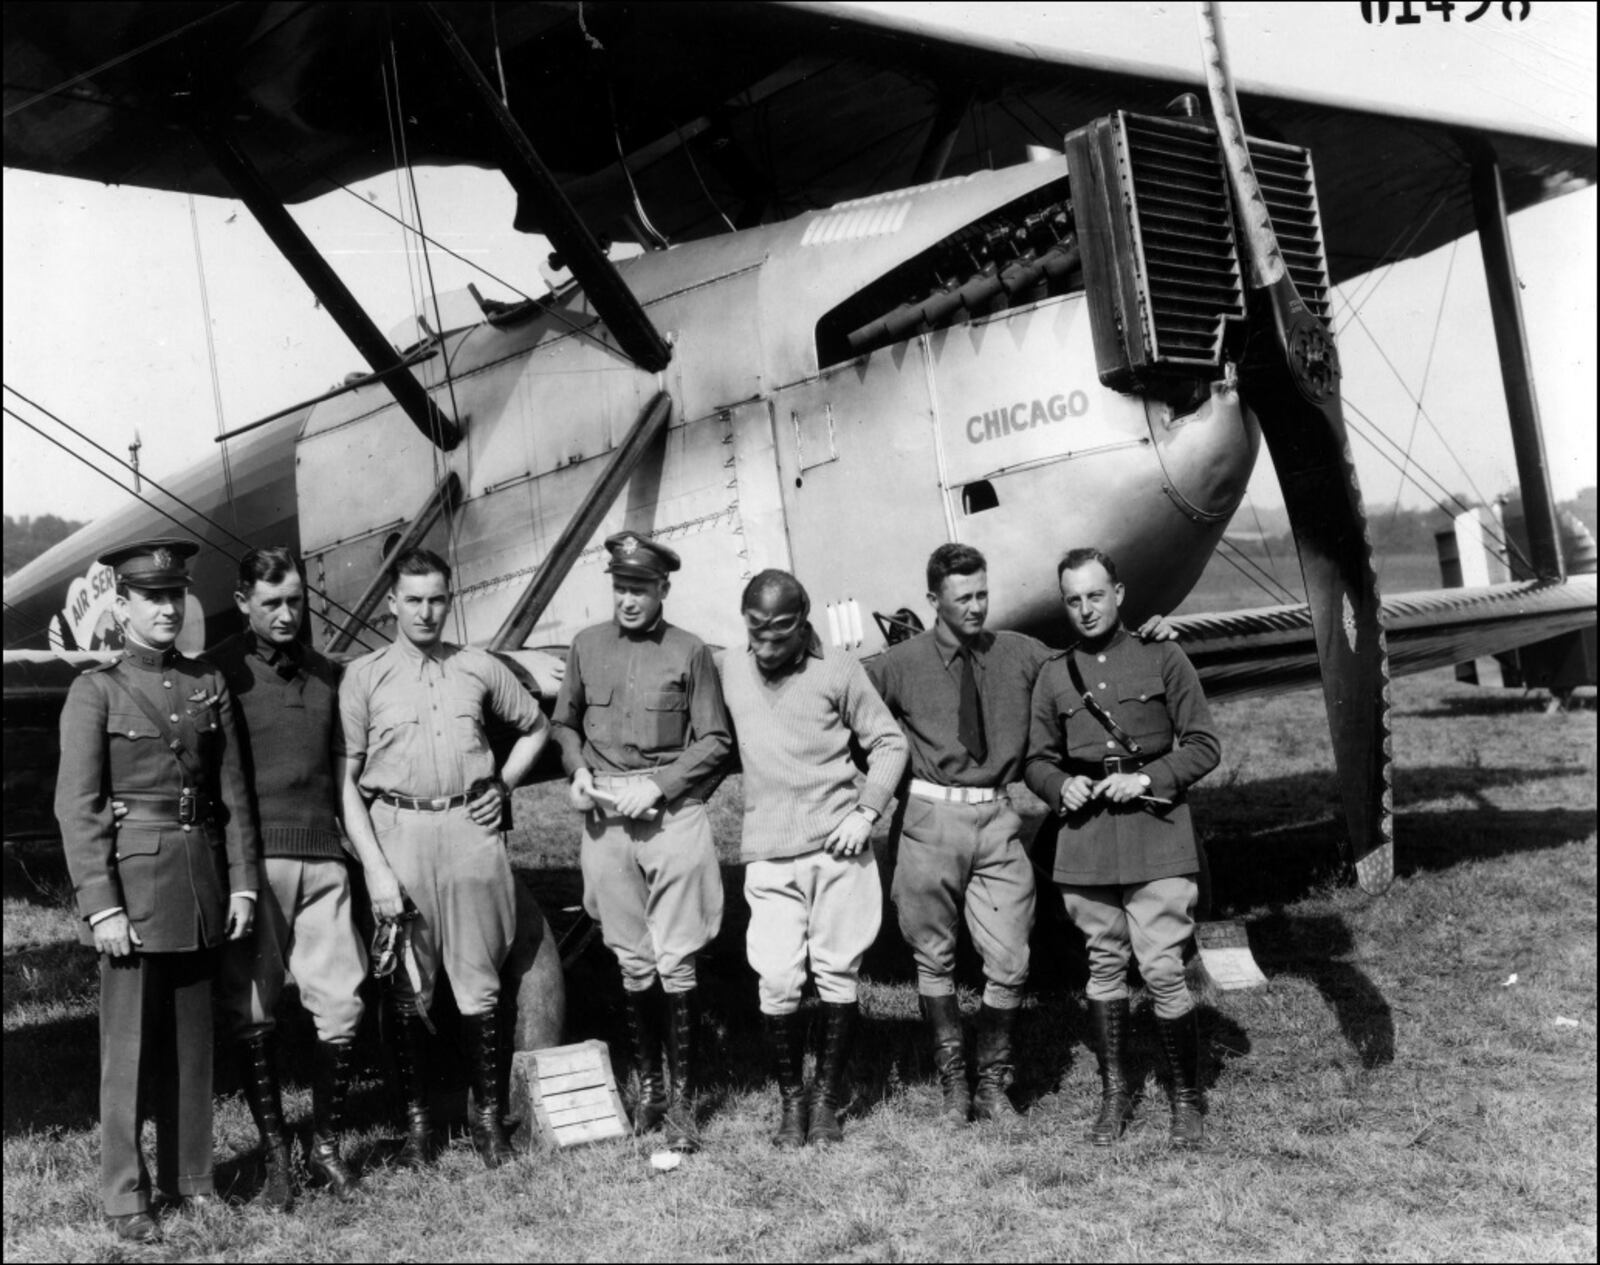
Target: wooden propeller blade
1290, 379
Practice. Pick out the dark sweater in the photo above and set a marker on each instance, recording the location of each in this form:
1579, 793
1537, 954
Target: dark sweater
288, 714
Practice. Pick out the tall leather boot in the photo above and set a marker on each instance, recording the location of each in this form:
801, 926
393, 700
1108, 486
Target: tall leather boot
411, 1061
943, 1016
1110, 1022
683, 1023
1180, 1041
996, 1070
483, 1053
786, 1041
646, 1031
330, 1084
829, 1095
260, 1074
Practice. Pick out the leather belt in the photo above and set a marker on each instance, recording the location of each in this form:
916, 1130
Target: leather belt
1109, 764
437, 804
186, 810
954, 794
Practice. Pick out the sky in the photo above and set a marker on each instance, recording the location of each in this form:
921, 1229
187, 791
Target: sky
104, 322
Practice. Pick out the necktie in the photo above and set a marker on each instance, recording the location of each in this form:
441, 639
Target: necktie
969, 721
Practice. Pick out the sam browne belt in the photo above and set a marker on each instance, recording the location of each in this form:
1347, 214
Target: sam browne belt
190, 809
1109, 764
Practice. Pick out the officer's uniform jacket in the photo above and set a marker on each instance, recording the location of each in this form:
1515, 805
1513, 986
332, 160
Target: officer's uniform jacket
647, 702
1152, 692
173, 882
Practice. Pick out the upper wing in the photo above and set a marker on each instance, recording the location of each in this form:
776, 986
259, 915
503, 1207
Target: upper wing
1272, 648
743, 112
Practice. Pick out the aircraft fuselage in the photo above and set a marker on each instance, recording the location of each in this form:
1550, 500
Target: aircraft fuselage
995, 431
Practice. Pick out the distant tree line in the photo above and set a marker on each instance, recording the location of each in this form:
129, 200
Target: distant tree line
1408, 531
26, 538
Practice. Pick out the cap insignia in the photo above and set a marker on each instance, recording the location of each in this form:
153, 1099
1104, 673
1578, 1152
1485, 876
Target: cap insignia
163, 559
629, 545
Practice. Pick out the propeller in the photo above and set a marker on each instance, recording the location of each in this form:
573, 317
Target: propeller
1289, 378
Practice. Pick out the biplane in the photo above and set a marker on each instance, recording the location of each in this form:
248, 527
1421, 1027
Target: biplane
907, 277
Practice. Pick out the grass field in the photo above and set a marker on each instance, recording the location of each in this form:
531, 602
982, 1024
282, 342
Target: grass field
1417, 1083
1229, 581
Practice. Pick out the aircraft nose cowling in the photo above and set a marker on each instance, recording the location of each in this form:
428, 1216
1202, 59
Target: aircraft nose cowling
1207, 454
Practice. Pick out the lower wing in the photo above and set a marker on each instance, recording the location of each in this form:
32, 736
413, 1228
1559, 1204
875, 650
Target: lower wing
1271, 648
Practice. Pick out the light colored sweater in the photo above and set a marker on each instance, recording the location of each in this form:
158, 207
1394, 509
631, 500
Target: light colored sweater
794, 734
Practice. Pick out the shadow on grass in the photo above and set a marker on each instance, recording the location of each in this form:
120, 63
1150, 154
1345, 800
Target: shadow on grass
1496, 702
52, 1076
1312, 947
1278, 867
35, 871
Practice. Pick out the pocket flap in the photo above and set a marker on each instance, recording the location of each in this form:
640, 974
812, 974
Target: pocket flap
1142, 689
131, 725
136, 841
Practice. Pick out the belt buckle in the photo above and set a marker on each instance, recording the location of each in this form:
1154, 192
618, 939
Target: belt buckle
188, 803
439, 803
1114, 763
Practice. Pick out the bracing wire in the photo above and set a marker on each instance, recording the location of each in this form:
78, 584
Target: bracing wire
118, 60
1422, 387
1387, 262
1277, 590
1272, 563
30, 628
198, 513
1460, 465
1276, 598
658, 238
1025, 125
580, 330
391, 110
1049, 124
499, 61
1442, 498
695, 167
451, 543
211, 359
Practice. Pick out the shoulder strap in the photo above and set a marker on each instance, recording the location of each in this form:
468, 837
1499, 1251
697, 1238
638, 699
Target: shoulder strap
1096, 710
193, 772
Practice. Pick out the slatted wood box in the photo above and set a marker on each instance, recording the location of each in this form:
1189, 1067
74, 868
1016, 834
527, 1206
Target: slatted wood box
1225, 953
565, 1096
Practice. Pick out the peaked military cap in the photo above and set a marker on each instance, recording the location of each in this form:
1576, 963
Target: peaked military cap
153, 564
633, 554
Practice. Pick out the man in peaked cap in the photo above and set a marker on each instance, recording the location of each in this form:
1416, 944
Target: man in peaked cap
643, 735
161, 889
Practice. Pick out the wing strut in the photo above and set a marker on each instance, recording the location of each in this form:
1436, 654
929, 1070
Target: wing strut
291, 241
602, 283
650, 426
1290, 379
1516, 367
440, 501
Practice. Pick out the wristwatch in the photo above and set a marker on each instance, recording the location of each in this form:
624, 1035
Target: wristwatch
1144, 780
871, 814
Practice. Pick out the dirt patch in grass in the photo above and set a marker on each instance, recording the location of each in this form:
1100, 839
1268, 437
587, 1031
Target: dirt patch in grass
1417, 1083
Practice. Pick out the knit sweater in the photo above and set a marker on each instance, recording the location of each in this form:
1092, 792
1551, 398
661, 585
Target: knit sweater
794, 733
288, 713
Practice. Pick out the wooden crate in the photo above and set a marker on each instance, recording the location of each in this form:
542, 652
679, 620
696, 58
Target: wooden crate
565, 1096
1225, 953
